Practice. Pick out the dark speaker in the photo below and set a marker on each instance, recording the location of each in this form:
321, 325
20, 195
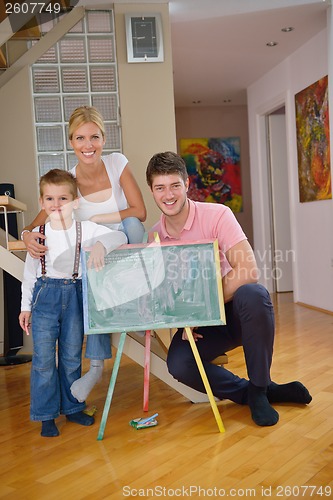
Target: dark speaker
8, 190
13, 335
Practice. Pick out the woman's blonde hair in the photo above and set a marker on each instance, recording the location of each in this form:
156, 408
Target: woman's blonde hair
82, 115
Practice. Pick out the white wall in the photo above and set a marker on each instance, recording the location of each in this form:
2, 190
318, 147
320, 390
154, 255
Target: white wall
146, 102
311, 223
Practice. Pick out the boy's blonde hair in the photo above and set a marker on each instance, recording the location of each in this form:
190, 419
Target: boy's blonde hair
58, 177
82, 115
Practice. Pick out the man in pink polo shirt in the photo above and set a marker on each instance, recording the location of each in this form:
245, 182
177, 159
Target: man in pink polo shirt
249, 311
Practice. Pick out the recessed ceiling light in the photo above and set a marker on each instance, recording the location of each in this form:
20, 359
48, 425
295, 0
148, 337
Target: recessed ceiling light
288, 29
271, 44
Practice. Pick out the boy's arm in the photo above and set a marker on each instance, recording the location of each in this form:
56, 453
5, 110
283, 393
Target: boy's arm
24, 320
29, 279
110, 238
28, 283
102, 241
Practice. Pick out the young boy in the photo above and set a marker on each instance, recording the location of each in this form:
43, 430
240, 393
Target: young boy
52, 300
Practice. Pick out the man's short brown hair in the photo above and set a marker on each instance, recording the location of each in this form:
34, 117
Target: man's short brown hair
167, 163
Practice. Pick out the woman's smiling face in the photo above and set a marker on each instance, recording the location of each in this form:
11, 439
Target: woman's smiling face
87, 142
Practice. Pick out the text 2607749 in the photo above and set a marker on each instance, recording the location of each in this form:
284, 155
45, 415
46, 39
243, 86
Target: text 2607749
32, 8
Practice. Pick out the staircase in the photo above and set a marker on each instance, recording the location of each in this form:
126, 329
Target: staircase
10, 262
21, 33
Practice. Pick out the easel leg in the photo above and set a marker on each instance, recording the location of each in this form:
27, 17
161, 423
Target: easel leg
205, 379
146, 371
111, 386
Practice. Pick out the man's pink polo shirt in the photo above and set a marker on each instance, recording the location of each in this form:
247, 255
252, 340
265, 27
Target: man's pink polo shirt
207, 221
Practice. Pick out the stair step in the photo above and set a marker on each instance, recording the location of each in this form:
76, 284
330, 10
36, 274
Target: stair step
16, 246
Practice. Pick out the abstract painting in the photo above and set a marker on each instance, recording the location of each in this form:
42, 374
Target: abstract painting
213, 166
313, 143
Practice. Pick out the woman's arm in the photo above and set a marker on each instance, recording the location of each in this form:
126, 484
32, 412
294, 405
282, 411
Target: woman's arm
30, 239
133, 195
136, 206
244, 269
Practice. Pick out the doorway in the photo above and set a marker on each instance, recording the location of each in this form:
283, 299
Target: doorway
282, 255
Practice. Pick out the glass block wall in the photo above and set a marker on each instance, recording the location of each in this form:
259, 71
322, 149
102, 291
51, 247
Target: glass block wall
79, 70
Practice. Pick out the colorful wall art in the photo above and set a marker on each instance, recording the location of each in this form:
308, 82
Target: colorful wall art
214, 169
313, 143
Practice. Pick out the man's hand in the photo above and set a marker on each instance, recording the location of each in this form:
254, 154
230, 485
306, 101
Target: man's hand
196, 335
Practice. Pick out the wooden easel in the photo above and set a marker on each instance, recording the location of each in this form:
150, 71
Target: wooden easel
183, 307
146, 380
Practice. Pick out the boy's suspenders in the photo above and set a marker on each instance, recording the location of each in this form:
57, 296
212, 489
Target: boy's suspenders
77, 251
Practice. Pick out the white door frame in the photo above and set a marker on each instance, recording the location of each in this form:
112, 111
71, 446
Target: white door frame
262, 208
282, 254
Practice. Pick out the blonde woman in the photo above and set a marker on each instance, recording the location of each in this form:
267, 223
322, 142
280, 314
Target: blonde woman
108, 195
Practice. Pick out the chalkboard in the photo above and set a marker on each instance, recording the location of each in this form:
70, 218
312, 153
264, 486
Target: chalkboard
152, 286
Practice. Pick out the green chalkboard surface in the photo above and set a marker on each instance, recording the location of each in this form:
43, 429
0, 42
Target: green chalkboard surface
152, 286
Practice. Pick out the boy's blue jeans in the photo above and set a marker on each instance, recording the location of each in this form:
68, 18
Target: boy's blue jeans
57, 319
99, 345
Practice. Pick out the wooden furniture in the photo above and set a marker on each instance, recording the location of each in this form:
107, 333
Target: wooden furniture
10, 205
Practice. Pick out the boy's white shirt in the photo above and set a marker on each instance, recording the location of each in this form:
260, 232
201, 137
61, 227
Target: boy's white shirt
59, 259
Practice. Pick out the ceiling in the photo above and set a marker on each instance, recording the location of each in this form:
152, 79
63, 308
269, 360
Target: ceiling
219, 46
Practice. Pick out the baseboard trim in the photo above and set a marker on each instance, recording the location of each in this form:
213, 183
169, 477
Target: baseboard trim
314, 308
